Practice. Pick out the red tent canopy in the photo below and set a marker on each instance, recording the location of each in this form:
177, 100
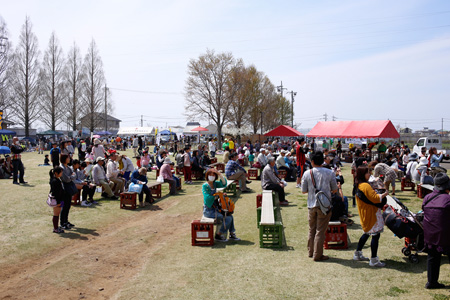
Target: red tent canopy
199, 128
355, 129
283, 130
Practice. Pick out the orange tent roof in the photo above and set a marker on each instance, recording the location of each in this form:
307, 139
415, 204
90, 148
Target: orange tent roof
355, 129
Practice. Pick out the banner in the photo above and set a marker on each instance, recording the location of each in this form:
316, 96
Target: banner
1, 119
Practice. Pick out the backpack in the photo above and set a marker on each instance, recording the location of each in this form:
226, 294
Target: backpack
324, 202
226, 205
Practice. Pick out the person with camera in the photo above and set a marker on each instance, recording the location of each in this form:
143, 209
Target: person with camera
211, 208
323, 180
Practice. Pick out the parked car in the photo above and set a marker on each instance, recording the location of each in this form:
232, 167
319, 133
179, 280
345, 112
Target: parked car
429, 142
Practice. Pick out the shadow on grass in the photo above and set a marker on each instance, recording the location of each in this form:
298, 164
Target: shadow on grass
73, 235
401, 266
84, 231
221, 245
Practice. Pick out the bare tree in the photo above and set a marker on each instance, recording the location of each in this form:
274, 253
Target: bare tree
5, 62
74, 78
93, 86
210, 88
283, 110
262, 108
241, 78
52, 90
24, 75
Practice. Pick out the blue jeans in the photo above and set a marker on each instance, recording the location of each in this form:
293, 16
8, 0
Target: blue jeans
213, 214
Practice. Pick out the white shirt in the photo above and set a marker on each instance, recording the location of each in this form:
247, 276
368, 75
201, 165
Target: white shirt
127, 165
111, 169
262, 159
212, 146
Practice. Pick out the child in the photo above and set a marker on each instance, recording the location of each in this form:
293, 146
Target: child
46, 160
251, 157
55, 152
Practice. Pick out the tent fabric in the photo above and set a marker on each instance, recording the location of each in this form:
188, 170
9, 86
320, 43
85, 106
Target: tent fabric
50, 132
355, 129
7, 132
136, 131
283, 130
167, 132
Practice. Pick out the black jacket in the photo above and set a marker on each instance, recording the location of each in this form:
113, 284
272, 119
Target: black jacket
57, 189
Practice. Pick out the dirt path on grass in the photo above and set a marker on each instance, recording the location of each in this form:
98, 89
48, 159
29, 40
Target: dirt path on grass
98, 265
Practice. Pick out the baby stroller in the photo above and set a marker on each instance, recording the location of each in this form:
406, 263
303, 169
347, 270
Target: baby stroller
403, 223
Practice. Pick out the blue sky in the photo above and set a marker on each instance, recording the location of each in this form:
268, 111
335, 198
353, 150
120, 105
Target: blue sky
349, 59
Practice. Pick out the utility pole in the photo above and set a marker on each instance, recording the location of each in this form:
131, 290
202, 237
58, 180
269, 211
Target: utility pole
334, 118
280, 89
293, 94
106, 108
442, 127
325, 117
142, 121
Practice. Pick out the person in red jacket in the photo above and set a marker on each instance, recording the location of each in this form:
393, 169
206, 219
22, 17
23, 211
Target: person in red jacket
301, 160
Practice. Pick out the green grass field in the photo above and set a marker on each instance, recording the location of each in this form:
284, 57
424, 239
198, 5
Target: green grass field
147, 253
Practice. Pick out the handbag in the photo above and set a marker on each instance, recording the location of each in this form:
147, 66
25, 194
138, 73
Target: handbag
324, 202
70, 188
135, 188
160, 178
51, 201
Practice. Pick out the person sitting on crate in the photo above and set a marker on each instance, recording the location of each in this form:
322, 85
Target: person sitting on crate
412, 165
211, 207
420, 173
166, 173
269, 181
114, 174
140, 177
234, 171
100, 179
436, 228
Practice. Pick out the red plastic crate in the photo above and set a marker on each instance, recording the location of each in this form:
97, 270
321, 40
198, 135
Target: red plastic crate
76, 200
407, 185
202, 234
282, 174
258, 200
336, 237
252, 173
128, 200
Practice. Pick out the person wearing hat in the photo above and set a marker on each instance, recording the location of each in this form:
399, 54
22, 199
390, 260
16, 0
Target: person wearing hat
98, 150
411, 165
282, 165
113, 174
82, 148
436, 228
166, 173
420, 173
99, 178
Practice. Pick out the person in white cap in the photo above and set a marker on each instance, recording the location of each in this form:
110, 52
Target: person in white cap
99, 178
166, 173
98, 150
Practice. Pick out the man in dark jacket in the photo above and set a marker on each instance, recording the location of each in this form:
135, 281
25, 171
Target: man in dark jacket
436, 227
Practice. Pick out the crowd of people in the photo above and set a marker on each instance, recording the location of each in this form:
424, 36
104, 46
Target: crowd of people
99, 165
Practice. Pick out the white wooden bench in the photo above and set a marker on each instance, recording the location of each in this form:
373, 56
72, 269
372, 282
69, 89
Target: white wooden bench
230, 188
270, 226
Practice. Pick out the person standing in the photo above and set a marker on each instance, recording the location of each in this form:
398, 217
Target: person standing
436, 228
369, 208
187, 166
212, 147
301, 160
18, 169
68, 176
57, 191
325, 181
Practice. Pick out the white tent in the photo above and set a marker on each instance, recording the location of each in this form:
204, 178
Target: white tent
136, 131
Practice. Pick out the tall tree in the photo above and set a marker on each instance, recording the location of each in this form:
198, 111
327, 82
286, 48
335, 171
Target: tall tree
241, 78
210, 88
52, 90
284, 110
74, 78
93, 87
5, 62
24, 76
